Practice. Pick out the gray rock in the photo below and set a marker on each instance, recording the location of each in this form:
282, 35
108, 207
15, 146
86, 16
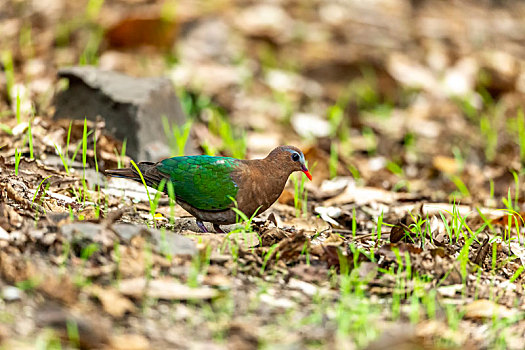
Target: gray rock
163, 242
81, 231
131, 107
95, 178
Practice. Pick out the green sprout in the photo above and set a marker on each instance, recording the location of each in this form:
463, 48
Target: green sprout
30, 139
177, 135
18, 113
300, 198
7, 61
334, 160
17, 160
122, 156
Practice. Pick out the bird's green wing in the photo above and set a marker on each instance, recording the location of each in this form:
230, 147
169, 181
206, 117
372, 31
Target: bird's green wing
204, 182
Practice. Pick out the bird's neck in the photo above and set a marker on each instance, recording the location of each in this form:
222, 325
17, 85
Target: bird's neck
273, 169
273, 177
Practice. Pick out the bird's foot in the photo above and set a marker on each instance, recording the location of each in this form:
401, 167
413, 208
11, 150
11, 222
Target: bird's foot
218, 228
201, 226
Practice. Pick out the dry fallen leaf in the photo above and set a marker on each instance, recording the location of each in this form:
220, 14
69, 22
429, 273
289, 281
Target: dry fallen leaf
9, 218
484, 308
271, 235
129, 342
445, 164
286, 197
310, 225
135, 31
320, 160
113, 302
168, 289
362, 196
518, 218
290, 248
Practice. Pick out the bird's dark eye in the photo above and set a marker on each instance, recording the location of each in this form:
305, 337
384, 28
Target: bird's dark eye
295, 157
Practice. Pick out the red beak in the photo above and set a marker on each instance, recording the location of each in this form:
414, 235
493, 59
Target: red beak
306, 172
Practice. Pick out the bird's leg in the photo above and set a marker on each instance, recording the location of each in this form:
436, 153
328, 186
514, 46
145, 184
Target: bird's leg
201, 226
218, 228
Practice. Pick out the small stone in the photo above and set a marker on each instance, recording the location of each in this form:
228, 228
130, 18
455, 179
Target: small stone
328, 214
450, 291
4, 235
210, 39
10, 293
81, 230
266, 20
307, 288
310, 125
282, 303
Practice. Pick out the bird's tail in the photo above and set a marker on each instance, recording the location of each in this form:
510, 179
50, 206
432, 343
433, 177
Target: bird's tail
126, 173
148, 170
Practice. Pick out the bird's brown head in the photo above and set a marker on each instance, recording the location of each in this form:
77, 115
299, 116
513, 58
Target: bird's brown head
290, 159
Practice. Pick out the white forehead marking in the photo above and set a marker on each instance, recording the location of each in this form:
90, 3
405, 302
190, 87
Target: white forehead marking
292, 151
